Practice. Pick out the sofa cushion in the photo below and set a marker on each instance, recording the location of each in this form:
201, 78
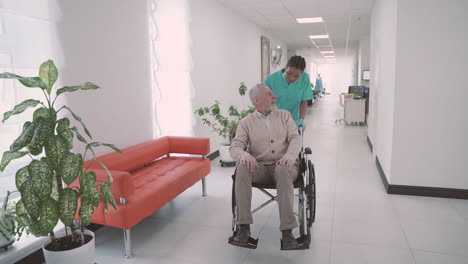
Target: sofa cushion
133, 157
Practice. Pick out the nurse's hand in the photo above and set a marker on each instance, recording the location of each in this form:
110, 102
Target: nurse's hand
301, 123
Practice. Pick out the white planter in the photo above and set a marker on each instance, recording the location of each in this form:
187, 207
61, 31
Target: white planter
224, 154
82, 255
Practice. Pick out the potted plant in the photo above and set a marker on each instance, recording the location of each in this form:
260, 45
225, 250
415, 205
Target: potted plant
225, 125
9, 228
45, 184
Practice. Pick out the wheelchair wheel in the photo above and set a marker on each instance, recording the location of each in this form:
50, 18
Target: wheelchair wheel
311, 195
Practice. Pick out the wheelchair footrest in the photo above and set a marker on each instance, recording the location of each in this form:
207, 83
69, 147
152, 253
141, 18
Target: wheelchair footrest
252, 243
303, 242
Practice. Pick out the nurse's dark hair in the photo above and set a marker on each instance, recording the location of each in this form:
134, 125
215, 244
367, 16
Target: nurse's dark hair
297, 62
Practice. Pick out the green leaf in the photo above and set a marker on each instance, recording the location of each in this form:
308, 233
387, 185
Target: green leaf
22, 175
48, 74
86, 210
77, 118
49, 215
215, 109
55, 149
78, 135
30, 199
45, 113
88, 188
20, 108
68, 203
68, 136
30, 82
97, 144
84, 86
107, 196
242, 89
109, 174
42, 177
9, 156
62, 125
24, 138
42, 131
70, 166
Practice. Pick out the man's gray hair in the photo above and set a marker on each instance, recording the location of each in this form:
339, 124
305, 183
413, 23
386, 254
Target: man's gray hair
254, 91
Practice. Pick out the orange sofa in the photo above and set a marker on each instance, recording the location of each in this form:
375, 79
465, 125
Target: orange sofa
146, 177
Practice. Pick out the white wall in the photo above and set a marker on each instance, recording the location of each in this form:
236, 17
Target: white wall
431, 122
336, 77
382, 83
364, 59
107, 42
225, 52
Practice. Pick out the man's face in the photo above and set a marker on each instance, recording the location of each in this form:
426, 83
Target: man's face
292, 74
266, 100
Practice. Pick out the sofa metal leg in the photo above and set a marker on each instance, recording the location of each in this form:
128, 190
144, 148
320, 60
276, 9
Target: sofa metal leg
128, 244
204, 186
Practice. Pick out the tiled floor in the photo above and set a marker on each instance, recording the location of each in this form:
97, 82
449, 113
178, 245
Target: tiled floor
357, 222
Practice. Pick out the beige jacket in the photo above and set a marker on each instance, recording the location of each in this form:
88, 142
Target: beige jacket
267, 145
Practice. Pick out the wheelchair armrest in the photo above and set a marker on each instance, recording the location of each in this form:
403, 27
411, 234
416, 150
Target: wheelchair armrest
308, 151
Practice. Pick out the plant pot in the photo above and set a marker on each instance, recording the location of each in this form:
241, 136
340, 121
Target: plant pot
81, 255
224, 154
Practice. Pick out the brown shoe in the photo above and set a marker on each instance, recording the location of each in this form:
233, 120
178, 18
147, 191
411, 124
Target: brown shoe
288, 241
242, 236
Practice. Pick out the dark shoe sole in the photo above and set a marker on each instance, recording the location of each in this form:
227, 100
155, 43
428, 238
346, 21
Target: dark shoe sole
303, 243
252, 243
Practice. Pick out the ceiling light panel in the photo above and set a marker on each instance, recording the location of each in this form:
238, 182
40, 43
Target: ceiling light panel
309, 20
318, 36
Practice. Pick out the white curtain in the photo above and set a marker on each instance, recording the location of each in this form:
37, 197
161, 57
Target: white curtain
172, 66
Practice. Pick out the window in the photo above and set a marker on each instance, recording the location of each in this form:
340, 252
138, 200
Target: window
172, 66
20, 26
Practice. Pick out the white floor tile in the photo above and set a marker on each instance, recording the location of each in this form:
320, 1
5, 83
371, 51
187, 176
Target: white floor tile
423, 257
344, 253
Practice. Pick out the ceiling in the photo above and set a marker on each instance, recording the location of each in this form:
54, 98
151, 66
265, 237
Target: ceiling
278, 17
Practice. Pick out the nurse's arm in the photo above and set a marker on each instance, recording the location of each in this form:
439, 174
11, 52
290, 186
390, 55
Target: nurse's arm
303, 110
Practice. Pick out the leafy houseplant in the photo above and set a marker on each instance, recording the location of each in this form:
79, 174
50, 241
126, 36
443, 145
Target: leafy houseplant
224, 125
9, 229
45, 184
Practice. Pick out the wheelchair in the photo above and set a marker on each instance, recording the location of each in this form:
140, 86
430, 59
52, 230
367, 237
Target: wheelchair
305, 184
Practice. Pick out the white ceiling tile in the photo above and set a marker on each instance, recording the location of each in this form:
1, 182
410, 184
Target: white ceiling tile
278, 17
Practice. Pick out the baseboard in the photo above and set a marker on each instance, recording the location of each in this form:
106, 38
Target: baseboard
381, 172
428, 191
213, 155
420, 190
370, 144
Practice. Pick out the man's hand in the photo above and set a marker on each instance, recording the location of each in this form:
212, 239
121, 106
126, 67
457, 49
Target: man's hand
250, 162
285, 162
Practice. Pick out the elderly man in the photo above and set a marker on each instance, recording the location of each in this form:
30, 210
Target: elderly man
274, 144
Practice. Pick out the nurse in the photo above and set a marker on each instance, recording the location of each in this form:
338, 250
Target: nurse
292, 87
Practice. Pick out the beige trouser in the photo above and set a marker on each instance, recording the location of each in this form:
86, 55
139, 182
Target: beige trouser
284, 178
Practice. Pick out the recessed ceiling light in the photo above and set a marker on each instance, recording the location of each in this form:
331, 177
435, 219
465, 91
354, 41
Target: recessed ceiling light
318, 36
309, 20
278, 47
328, 51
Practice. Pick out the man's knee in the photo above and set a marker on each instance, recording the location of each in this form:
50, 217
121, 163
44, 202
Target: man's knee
243, 171
285, 173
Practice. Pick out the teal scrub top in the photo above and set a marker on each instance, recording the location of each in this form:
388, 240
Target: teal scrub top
290, 95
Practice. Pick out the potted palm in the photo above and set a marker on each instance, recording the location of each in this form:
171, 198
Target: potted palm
45, 185
225, 125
